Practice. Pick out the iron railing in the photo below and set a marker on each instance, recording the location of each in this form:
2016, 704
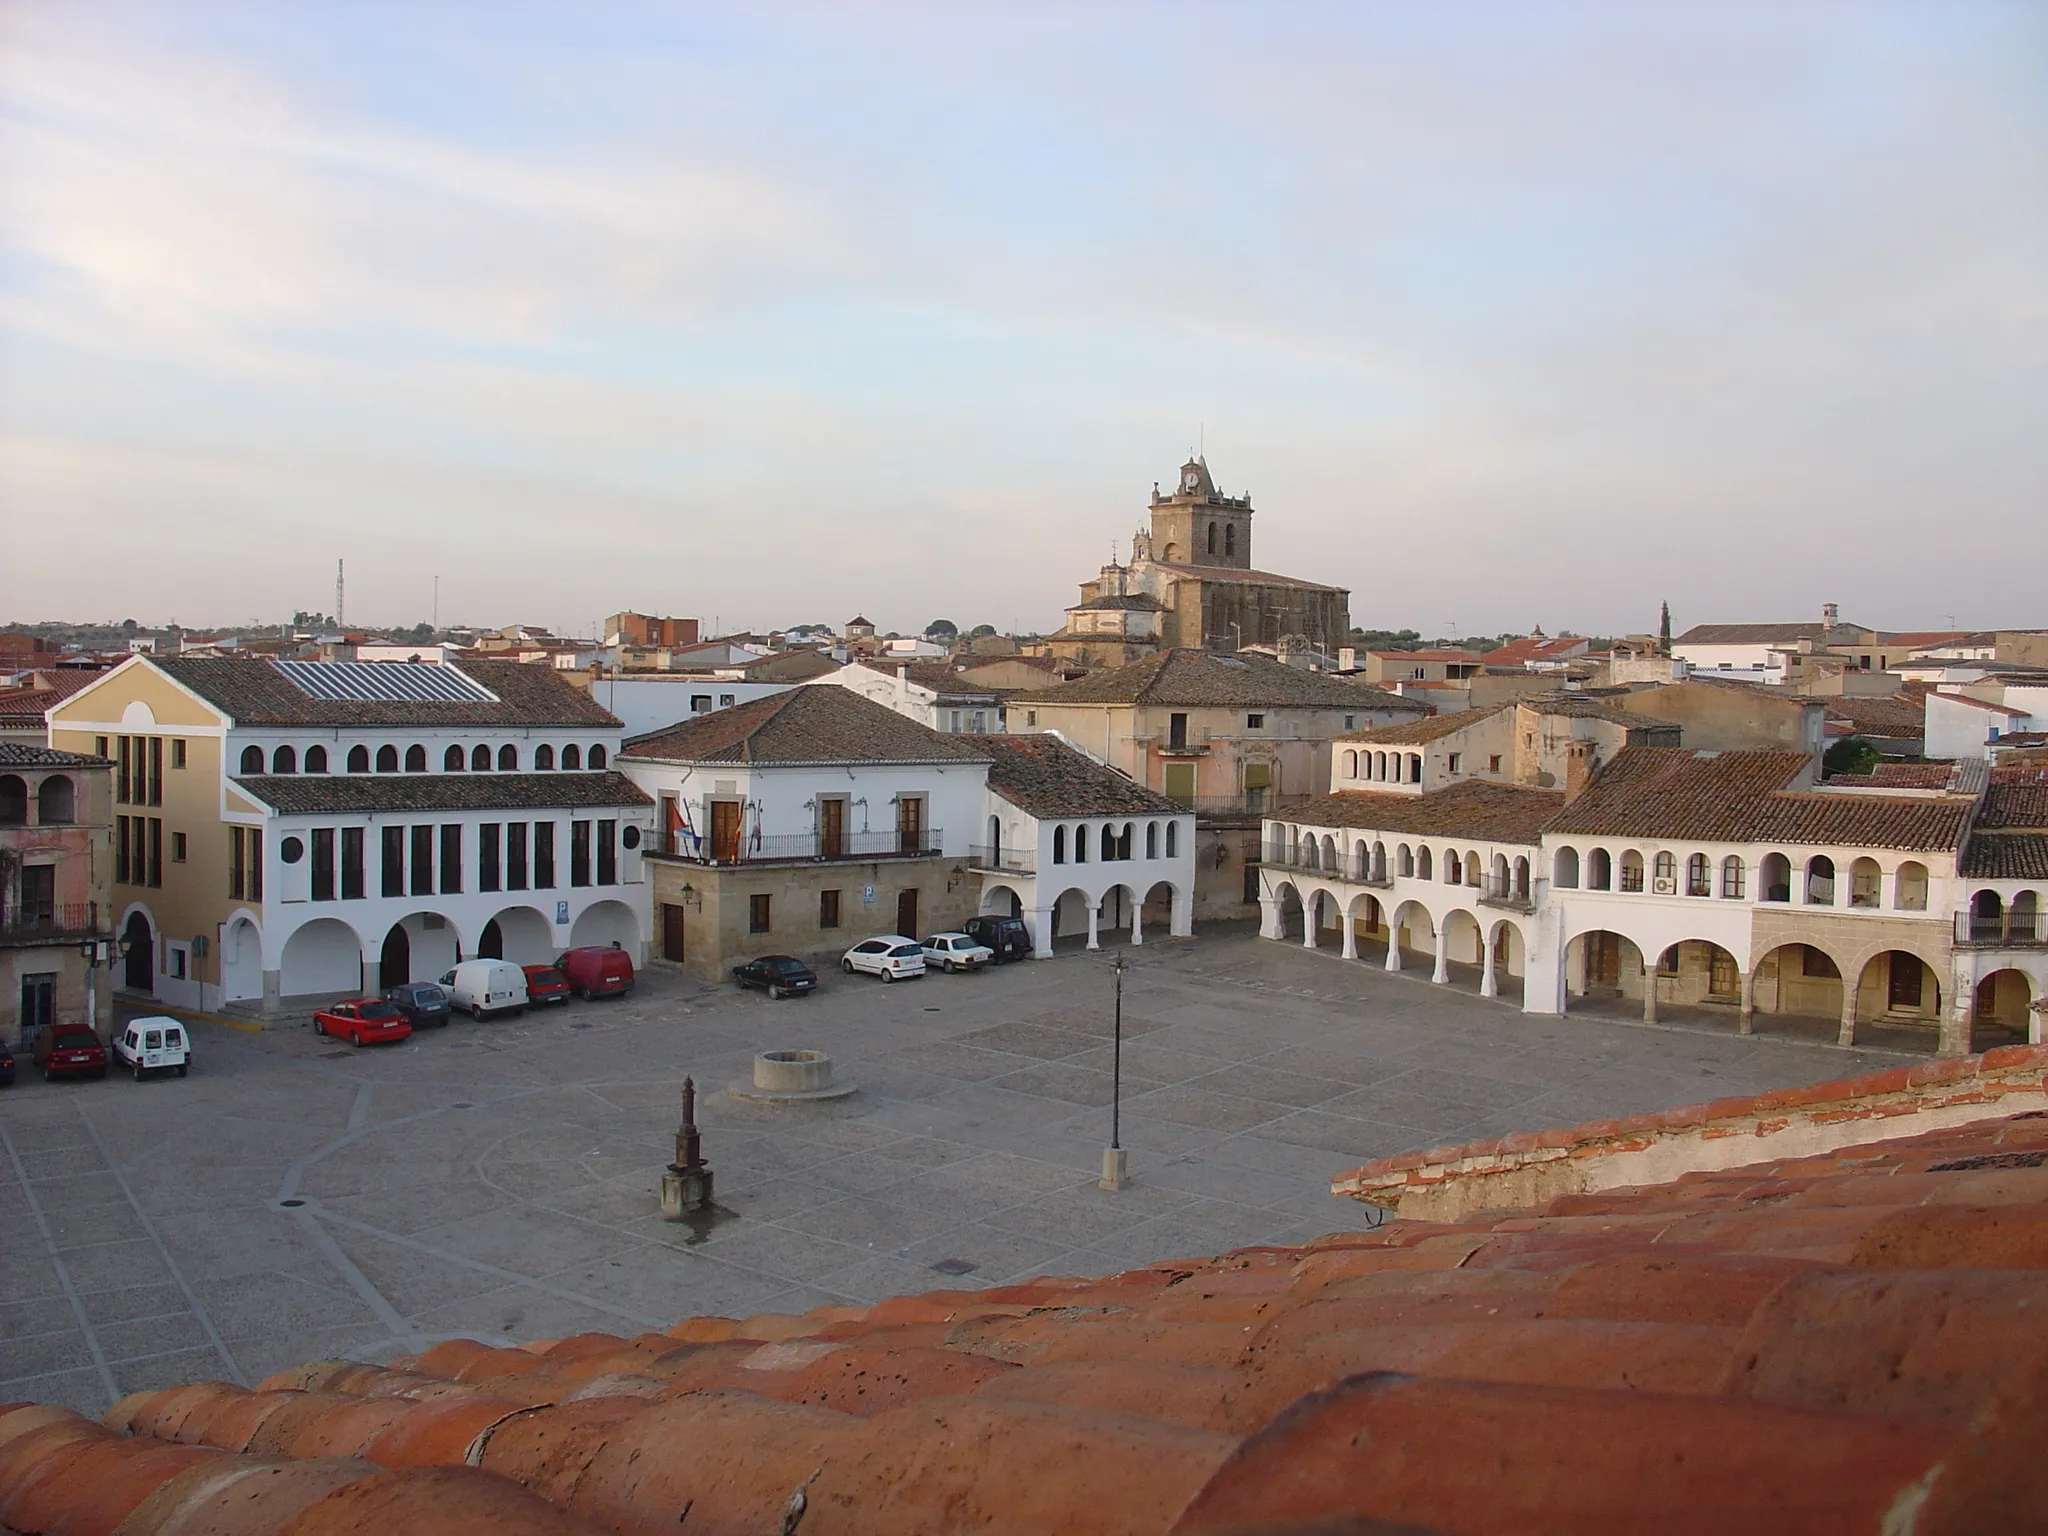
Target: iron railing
1251, 802
805, 847
2002, 930
51, 920
1503, 891
1015, 861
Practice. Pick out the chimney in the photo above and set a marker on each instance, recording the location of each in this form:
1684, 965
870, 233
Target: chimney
1578, 769
1829, 613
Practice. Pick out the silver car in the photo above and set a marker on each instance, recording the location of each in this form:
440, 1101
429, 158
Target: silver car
956, 952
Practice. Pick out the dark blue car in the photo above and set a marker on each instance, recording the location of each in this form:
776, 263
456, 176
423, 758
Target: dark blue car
421, 1002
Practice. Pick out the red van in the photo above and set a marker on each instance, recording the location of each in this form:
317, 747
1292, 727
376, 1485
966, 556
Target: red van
594, 971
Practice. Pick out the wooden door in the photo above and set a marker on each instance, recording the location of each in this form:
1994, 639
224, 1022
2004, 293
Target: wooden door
909, 829
906, 913
725, 830
672, 932
1603, 959
831, 828
1904, 981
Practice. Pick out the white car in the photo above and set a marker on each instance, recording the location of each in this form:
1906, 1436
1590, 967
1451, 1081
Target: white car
890, 956
152, 1044
956, 952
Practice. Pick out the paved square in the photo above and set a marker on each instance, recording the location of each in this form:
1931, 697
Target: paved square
295, 1198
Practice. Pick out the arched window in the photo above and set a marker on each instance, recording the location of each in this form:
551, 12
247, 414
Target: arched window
1473, 866
1866, 882
358, 759
1733, 878
284, 760
1425, 865
1987, 916
1452, 870
1522, 879
1379, 861
1230, 538
1081, 844
1774, 878
1212, 538
479, 758
13, 801
1631, 871
387, 759
454, 760
1350, 765
1151, 839
1311, 854
1108, 843
1059, 845
1414, 767
1909, 891
1665, 870
544, 757
572, 759
2023, 918
252, 759
1564, 869
1173, 839
415, 759
1361, 862
508, 758
1599, 870
1405, 861
597, 757
316, 759
1698, 876
1820, 881
56, 801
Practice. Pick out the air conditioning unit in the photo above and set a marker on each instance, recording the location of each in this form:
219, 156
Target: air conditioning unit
1665, 887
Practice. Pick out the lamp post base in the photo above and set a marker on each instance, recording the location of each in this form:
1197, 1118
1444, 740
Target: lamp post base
1115, 1170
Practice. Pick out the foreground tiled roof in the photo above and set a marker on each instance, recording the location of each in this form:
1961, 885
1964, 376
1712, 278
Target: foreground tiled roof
1741, 797
1198, 678
15, 754
2010, 839
254, 692
1044, 776
1934, 775
1497, 813
312, 794
2015, 803
819, 723
1415, 733
1845, 1343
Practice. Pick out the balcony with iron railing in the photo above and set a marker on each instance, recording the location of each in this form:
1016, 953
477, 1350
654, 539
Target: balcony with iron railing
1247, 805
804, 847
1497, 890
1008, 861
51, 922
2000, 930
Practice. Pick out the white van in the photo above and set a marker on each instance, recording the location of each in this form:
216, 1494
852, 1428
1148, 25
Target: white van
153, 1044
486, 986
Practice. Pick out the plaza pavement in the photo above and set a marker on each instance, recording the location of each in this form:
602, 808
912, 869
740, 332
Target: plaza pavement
294, 1198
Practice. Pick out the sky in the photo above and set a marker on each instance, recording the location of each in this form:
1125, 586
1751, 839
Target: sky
1505, 314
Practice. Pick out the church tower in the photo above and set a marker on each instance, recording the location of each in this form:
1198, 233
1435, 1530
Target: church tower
1196, 524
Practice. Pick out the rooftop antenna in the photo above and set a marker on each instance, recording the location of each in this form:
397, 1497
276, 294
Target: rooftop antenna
340, 591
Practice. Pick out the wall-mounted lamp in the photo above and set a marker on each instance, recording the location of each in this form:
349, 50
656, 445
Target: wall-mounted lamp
954, 876
692, 897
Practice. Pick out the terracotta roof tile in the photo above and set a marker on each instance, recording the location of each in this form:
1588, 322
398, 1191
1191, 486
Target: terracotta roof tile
364, 794
818, 724
1041, 774
1500, 813
1415, 733
15, 754
1197, 678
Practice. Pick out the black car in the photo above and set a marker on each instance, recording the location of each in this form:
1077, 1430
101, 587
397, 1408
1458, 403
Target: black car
777, 975
6, 1067
421, 1002
1009, 937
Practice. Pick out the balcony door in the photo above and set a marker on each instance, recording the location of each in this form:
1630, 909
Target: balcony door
832, 828
725, 830
910, 827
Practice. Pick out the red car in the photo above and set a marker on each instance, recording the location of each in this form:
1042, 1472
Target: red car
545, 984
69, 1050
595, 971
363, 1021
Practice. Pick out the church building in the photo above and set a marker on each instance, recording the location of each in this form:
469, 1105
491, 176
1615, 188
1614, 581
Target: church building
1190, 584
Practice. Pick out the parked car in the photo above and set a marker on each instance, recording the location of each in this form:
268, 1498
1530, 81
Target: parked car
545, 984
363, 1021
1008, 937
777, 975
153, 1043
6, 1067
69, 1050
422, 1002
481, 987
597, 971
956, 952
890, 956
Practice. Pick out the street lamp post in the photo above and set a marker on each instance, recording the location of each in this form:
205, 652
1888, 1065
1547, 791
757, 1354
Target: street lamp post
1115, 1172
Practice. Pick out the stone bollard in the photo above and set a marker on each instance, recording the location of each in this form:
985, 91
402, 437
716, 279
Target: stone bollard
686, 1183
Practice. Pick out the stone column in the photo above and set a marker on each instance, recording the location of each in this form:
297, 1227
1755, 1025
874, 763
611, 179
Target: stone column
1350, 950
1489, 984
1847, 1034
1183, 925
1393, 946
1311, 914
1041, 932
1442, 973
1270, 924
1094, 922
1649, 990
1137, 914
1748, 1024
1956, 1024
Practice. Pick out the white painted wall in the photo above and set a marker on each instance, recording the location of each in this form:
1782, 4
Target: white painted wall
652, 703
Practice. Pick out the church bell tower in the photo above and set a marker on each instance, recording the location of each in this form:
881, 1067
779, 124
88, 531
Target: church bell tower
1196, 524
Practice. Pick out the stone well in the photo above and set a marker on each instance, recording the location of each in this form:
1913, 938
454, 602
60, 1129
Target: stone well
792, 1076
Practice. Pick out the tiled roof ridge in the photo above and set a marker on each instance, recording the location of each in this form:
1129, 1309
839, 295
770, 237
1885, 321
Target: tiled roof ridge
1943, 1082
19, 754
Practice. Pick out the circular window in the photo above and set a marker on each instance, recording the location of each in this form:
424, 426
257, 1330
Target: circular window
291, 850
630, 837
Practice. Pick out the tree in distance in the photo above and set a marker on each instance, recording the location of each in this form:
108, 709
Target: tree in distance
942, 629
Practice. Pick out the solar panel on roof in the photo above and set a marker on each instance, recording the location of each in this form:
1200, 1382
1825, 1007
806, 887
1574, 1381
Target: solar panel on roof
393, 682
